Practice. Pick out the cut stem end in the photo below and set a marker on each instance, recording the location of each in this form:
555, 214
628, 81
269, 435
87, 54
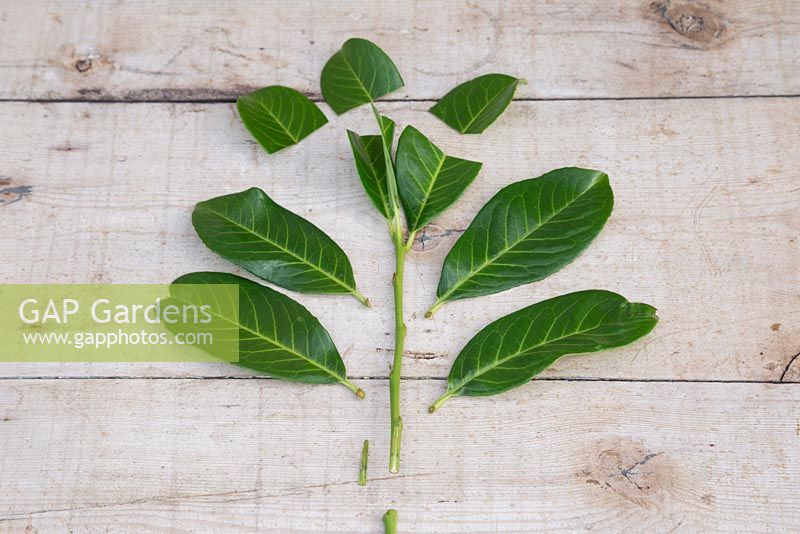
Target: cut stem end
394, 445
441, 400
355, 389
362, 299
436, 305
390, 521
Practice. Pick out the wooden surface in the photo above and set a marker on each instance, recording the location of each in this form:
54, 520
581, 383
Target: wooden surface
118, 117
704, 226
178, 49
261, 455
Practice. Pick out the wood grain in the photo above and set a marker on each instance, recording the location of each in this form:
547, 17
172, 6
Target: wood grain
265, 456
168, 50
705, 225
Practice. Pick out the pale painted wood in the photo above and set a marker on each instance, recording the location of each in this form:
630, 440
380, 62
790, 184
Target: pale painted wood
705, 225
186, 50
266, 456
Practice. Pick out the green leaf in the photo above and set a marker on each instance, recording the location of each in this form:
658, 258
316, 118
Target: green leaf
358, 73
428, 180
254, 232
514, 349
474, 105
371, 165
526, 232
279, 116
277, 336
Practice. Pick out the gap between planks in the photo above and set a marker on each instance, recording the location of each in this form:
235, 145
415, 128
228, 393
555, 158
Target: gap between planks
320, 100
410, 378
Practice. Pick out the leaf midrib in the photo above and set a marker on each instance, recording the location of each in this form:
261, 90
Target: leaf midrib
355, 75
489, 102
277, 121
287, 251
508, 248
435, 176
519, 353
383, 194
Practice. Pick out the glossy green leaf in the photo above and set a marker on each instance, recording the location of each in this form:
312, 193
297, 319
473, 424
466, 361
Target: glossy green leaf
254, 232
277, 336
514, 349
279, 116
474, 105
428, 180
371, 164
357, 74
526, 232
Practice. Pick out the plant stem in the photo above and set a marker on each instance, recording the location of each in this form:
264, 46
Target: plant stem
400, 249
362, 468
390, 521
399, 340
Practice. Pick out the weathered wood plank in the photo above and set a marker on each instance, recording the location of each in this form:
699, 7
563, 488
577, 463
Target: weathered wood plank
260, 455
162, 49
705, 225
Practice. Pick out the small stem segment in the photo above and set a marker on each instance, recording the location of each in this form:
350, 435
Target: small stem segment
390, 521
362, 467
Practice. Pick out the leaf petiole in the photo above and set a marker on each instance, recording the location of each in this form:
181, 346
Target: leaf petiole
436, 305
361, 298
410, 240
441, 400
354, 388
